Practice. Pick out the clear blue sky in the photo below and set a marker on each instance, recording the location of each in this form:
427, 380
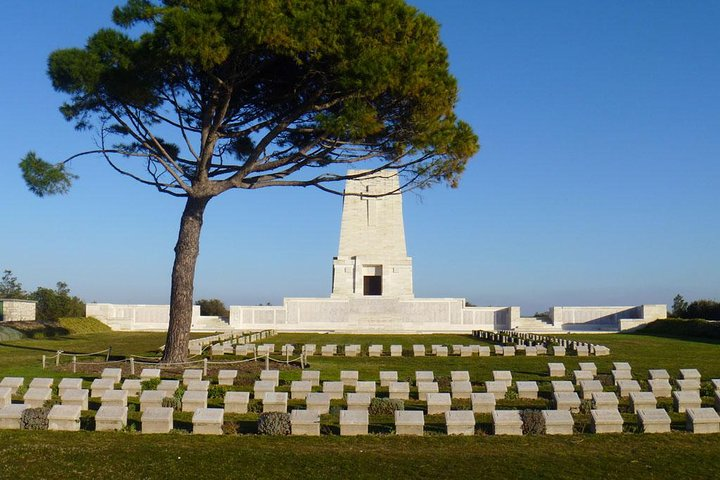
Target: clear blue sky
597, 181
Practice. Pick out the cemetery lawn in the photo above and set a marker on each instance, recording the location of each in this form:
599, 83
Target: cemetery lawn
95, 455
85, 454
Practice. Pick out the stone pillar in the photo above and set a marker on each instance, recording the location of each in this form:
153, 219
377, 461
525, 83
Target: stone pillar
372, 239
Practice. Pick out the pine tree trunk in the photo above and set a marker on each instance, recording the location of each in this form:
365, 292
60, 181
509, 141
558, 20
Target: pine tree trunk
183, 277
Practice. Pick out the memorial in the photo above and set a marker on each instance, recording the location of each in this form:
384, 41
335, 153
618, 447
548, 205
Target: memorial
372, 289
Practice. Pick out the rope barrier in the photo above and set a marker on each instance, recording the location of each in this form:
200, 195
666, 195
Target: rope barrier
229, 362
82, 354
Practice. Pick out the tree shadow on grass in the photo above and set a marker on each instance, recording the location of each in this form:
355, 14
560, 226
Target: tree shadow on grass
24, 347
686, 338
41, 329
700, 331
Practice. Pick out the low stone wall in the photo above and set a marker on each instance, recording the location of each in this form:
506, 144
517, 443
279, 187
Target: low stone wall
372, 315
376, 315
587, 318
148, 318
12, 310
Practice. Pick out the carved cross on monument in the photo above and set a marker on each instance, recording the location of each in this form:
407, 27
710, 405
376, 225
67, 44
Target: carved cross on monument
370, 206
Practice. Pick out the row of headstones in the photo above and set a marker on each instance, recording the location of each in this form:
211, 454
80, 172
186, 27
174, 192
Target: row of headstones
524, 340
396, 350
71, 392
196, 396
564, 395
229, 337
209, 421
40, 388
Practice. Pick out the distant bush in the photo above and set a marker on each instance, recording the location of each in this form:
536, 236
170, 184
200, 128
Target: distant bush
55, 304
701, 309
35, 418
213, 307
274, 423
385, 406
707, 309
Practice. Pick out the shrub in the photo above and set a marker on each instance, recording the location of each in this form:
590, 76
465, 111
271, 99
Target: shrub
51, 403
129, 428
21, 391
274, 423
230, 428
217, 391
533, 422
605, 379
511, 395
385, 406
707, 389
174, 402
443, 383
255, 406
35, 418
586, 407
151, 384
461, 404
87, 423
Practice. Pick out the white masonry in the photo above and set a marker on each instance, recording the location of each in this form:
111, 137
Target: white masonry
372, 259
372, 288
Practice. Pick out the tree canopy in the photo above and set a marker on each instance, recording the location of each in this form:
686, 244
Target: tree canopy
216, 95
254, 92
10, 286
51, 304
213, 307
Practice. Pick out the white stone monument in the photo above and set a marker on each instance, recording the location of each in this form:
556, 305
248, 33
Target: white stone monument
372, 259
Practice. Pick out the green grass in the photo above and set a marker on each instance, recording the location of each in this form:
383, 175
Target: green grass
642, 351
76, 326
88, 455
382, 454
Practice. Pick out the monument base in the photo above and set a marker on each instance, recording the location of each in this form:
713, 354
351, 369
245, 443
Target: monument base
373, 315
378, 315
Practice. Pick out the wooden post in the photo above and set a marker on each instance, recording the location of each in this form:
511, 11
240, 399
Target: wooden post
205, 364
107, 358
267, 361
43, 362
57, 358
74, 363
132, 366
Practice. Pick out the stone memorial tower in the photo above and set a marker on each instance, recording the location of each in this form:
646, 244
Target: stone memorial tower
372, 259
